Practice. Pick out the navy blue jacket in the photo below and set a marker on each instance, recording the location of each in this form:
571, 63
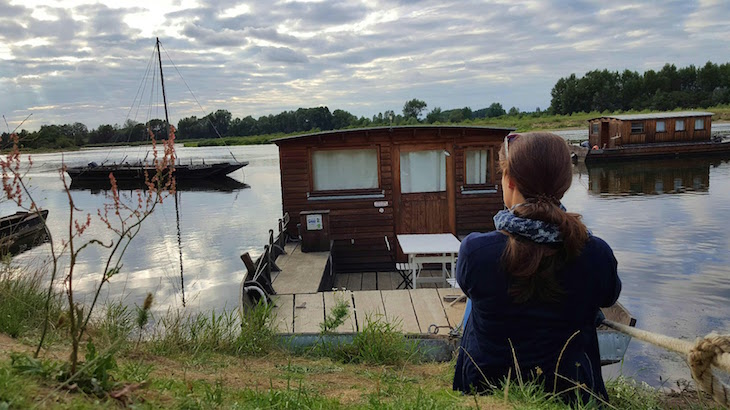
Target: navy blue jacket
538, 331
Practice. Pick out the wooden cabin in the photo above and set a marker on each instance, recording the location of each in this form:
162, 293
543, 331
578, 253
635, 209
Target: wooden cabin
366, 184
614, 131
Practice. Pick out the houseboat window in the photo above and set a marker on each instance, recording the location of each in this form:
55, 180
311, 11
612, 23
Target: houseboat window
477, 167
345, 169
637, 127
594, 128
423, 171
661, 126
700, 124
679, 125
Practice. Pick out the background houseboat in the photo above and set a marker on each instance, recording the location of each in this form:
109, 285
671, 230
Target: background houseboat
653, 135
378, 182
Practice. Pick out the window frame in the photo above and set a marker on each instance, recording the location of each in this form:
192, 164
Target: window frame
422, 148
595, 128
643, 127
664, 123
312, 193
697, 121
679, 121
490, 187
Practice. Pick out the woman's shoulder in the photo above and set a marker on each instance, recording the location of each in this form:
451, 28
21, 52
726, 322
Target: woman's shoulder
477, 241
596, 245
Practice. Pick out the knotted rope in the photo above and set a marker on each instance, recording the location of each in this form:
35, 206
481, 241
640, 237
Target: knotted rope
712, 350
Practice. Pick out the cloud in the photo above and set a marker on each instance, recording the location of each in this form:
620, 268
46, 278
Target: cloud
362, 56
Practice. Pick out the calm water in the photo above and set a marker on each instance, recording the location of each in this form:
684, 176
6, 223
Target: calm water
666, 221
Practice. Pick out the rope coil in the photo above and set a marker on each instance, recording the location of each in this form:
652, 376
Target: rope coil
712, 350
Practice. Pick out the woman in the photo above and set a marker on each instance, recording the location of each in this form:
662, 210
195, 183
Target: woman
536, 283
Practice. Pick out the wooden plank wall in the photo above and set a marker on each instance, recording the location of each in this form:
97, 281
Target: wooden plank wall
474, 213
357, 227
671, 135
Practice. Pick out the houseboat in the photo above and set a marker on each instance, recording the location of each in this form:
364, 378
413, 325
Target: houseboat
664, 134
353, 200
380, 182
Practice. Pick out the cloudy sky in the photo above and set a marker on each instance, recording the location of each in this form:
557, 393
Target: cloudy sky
77, 60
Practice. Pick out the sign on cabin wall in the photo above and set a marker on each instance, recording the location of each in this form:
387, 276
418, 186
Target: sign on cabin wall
380, 204
314, 222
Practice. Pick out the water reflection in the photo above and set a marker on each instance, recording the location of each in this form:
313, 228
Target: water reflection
223, 184
666, 222
650, 177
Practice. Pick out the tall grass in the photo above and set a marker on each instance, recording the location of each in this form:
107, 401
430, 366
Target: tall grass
23, 298
250, 333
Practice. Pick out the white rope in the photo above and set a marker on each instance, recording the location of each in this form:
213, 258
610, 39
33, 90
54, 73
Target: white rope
712, 350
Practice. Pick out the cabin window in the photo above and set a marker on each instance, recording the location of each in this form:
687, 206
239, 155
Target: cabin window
595, 128
700, 124
423, 171
661, 126
679, 125
637, 127
334, 170
477, 166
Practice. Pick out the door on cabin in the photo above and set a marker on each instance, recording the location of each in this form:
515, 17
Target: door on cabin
424, 191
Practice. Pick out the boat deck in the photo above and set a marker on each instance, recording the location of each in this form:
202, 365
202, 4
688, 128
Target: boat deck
413, 311
301, 272
300, 308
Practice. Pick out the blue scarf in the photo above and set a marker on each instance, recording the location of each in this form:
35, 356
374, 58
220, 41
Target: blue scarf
532, 229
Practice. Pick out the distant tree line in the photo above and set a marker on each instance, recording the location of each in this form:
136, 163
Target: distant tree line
598, 90
666, 89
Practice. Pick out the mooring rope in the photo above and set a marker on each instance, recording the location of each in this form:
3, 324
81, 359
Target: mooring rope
712, 350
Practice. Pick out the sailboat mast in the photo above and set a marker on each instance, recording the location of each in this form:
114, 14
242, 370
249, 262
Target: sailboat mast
164, 97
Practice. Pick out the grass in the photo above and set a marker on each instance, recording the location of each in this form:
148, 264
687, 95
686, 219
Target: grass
211, 360
23, 302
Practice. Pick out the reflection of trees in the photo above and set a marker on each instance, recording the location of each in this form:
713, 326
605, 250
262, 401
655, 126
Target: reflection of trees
651, 177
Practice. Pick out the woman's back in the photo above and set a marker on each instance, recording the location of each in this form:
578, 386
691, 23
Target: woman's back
536, 283
500, 330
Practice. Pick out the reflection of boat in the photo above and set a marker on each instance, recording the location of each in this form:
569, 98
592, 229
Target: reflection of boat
649, 177
22, 231
612, 344
222, 184
144, 171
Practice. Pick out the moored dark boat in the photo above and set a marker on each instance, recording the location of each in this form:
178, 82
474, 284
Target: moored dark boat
141, 172
124, 172
22, 230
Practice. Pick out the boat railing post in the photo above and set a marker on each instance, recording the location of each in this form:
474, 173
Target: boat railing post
273, 252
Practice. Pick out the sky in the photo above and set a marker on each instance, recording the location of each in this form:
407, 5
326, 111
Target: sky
82, 61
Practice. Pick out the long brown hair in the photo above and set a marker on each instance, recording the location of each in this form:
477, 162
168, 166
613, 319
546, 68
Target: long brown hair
540, 167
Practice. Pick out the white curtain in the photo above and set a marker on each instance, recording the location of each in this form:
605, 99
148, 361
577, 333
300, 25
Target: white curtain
423, 171
476, 167
345, 169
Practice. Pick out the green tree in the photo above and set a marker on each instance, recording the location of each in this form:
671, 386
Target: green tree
434, 116
495, 110
342, 119
413, 108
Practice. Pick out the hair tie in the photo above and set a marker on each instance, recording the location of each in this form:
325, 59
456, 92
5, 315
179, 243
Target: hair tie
544, 198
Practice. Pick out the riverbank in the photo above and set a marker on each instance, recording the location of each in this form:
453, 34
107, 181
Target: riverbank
280, 379
222, 360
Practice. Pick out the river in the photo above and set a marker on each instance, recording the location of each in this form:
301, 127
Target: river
666, 221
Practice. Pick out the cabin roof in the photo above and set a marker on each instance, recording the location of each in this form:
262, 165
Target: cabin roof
656, 115
402, 127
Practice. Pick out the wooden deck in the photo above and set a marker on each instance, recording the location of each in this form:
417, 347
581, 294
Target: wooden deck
301, 272
413, 311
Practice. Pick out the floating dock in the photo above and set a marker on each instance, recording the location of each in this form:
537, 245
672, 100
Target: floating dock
300, 308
